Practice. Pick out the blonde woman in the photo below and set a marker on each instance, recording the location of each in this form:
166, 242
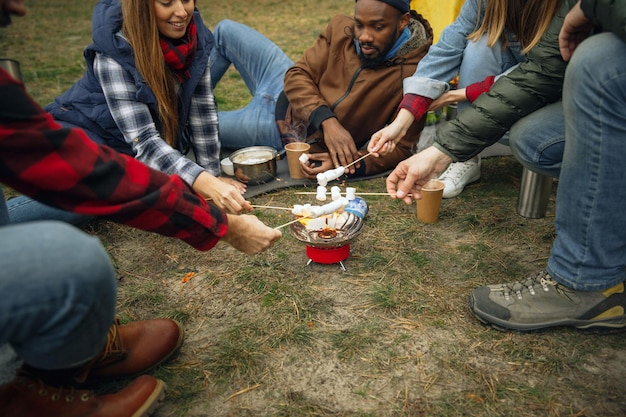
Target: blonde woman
488, 39
147, 93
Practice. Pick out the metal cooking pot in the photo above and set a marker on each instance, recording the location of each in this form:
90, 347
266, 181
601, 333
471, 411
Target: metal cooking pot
255, 164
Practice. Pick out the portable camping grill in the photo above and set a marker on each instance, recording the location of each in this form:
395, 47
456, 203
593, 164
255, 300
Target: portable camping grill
328, 239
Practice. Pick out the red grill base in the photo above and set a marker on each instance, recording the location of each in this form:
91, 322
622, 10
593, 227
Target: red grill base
328, 255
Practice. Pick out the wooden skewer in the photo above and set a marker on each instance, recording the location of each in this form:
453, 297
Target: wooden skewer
312, 193
271, 207
357, 160
288, 223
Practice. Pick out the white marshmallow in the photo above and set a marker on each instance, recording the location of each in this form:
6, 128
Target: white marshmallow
335, 192
329, 175
350, 193
321, 179
321, 193
316, 211
304, 157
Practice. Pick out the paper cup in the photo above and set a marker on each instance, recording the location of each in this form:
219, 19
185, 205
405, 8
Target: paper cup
428, 206
294, 150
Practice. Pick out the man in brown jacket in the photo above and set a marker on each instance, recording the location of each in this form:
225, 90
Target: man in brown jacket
343, 89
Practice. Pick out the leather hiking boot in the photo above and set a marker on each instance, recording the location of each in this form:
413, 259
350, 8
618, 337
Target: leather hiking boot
134, 348
29, 396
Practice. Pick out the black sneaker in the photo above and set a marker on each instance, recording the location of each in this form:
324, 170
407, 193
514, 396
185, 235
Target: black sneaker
539, 302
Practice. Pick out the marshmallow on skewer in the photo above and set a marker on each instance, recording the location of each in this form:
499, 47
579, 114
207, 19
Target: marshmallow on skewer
321, 193
336, 205
335, 193
321, 179
300, 210
316, 211
350, 193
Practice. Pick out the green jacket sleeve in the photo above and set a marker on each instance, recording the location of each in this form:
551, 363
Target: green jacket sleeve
532, 85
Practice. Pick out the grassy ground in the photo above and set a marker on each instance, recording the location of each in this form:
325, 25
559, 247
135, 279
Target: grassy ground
392, 336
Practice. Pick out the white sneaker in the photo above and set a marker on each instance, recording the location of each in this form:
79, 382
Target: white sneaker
458, 175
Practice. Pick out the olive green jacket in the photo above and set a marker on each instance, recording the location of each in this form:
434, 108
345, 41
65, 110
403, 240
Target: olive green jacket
532, 85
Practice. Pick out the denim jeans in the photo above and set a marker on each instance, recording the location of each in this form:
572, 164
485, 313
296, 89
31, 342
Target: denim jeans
262, 66
24, 209
57, 293
589, 252
537, 140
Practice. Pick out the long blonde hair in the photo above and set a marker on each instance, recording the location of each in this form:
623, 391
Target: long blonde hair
140, 29
527, 19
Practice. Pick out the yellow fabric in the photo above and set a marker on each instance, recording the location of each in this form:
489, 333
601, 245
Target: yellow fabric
439, 13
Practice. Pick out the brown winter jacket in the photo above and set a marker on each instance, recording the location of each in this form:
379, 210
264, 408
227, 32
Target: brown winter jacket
328, 81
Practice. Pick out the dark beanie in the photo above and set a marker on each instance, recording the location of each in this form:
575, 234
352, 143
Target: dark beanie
402, 5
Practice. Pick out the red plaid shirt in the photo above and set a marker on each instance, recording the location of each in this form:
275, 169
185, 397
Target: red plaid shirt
65, 169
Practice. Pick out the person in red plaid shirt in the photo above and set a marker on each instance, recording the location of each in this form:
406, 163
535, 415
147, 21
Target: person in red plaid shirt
57, 283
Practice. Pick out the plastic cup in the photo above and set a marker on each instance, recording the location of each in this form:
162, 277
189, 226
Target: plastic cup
428, 206
294, 150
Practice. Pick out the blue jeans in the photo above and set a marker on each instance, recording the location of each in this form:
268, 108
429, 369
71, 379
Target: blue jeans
538, 140
58, 290
24, 209
589, 252
262, 66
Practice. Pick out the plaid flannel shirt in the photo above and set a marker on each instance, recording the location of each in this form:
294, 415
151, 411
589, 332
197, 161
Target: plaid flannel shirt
137, 125
65, 169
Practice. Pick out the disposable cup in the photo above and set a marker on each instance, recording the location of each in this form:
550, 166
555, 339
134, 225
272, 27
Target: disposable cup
428, 206
294, 150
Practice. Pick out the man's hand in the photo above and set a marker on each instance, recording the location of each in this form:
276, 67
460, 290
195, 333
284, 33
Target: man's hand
576, 28
411, 174
250, 235
340, 144
318, 162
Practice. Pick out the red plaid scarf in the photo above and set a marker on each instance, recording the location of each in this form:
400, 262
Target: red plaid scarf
179, 53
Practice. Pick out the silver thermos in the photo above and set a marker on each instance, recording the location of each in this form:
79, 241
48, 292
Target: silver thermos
534, 194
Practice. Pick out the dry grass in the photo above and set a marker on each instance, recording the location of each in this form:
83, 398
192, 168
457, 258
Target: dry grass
392, 336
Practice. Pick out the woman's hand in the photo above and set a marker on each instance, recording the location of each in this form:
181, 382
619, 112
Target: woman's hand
450, 97
222, 192
385, 140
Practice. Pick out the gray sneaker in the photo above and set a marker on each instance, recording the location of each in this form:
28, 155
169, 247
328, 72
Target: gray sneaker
539, 302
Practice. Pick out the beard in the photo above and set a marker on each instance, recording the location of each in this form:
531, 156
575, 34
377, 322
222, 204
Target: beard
379, 59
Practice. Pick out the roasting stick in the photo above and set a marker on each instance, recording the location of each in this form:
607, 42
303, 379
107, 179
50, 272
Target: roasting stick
288, 223
357, 160
357, 193
272, 207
